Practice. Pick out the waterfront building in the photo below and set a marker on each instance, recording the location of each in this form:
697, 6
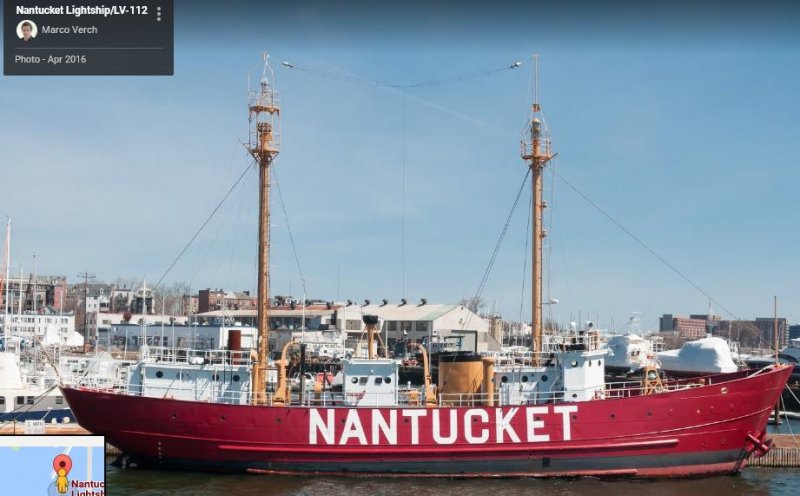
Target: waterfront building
44, 328
217, 299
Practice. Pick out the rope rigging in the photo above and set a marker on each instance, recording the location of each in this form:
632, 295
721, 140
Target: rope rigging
205, 223
493, 258
644, 245
351, 78
289, 229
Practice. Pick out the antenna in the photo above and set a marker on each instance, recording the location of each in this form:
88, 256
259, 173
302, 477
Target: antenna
535, 58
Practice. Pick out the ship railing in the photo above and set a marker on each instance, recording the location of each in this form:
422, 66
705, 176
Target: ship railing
190, 356
94, 382
406, 397
468, 399
187, 392
629, 389
572, 341
511, 357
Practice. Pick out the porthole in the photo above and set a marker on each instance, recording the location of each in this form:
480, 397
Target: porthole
544, 378
178, 375
354, 380
590, 363
387, 380
215, 377
524, 378
574, 363
598, 363
236, 378
574, 395
504, 379
159, 374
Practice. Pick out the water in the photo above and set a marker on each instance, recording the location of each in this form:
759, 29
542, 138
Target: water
753, 482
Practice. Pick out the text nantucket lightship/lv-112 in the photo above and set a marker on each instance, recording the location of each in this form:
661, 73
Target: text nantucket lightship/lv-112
552, 415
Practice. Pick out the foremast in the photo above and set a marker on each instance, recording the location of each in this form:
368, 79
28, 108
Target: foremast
536, 152
263, 145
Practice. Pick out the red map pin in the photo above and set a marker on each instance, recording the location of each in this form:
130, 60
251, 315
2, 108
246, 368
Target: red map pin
62, 461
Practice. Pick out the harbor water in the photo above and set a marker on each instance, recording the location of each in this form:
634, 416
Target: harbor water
753, 482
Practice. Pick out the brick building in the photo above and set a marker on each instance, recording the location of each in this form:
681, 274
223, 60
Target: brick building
209, 300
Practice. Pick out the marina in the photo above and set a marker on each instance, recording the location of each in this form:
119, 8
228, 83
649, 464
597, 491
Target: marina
513, 248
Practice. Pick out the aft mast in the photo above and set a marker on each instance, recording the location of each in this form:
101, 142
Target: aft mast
536, 152
263, 145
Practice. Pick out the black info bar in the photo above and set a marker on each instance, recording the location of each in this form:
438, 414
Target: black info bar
42, 38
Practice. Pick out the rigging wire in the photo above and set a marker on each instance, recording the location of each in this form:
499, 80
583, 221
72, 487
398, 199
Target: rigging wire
205, 223
644, 245
351, 78
548, 242
525, 258
289, 229
403, 202
496, 250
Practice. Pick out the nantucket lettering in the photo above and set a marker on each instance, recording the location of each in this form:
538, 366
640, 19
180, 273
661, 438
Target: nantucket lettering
378, 427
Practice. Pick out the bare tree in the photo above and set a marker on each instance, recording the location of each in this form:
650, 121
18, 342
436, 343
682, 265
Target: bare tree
170, 296
474, 304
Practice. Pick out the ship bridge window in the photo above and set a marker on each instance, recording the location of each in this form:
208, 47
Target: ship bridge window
378, 380
30, 400
362, 381
20, 400
2, 400
59, 400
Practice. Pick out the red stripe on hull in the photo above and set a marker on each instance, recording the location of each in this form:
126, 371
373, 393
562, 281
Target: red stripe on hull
686, 432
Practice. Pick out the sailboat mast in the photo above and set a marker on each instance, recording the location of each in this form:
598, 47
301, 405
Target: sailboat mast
7, 264
536, 152
263, 145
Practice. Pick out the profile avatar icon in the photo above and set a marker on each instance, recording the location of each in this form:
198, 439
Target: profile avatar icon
27, 30
62, 464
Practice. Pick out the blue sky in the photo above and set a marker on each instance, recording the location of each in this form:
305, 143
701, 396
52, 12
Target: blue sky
680, 123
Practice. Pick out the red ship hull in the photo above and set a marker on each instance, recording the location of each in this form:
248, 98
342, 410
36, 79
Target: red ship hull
707, 429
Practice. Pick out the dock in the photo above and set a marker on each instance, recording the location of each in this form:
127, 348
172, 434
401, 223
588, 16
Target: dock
18, 429
785, 453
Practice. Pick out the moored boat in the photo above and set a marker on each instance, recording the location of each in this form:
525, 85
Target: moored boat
553, 416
